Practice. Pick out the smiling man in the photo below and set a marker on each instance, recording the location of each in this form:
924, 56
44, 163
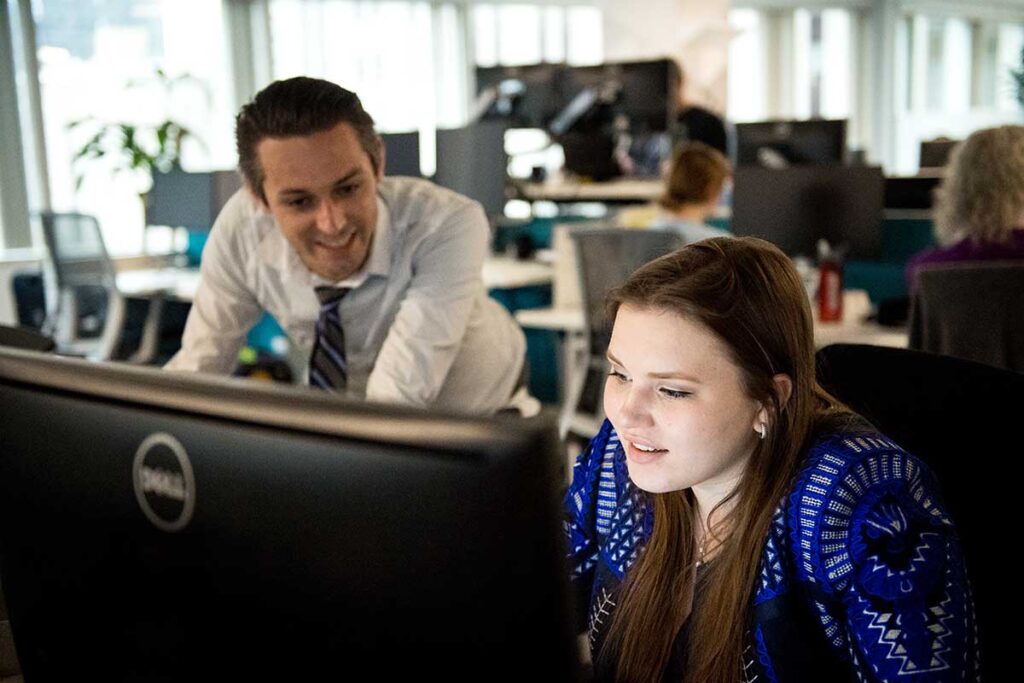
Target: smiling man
377, 280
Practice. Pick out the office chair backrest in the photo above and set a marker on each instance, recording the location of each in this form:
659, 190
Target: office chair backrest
971, 310
77, 250
85, 301
605, 258
962, 419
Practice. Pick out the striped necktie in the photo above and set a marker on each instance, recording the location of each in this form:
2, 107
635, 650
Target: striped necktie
327, 366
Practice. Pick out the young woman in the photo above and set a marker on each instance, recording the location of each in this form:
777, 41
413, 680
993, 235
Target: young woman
694, 183
732, 521
979, 214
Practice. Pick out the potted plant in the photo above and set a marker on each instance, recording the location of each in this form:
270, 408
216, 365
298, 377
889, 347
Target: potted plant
132, 146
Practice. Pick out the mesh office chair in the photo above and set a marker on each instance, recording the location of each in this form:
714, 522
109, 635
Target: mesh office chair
961, 418
85, 310
605, 257
971, 310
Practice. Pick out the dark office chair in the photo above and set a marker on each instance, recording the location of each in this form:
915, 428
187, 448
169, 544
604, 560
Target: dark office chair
962, 419
605, 257
25, 338
971, 310
10, 670
29, 299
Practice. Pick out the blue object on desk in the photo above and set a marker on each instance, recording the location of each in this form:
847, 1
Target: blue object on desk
194, 246
261, 336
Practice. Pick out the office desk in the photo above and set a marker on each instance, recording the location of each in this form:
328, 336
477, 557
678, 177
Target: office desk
623, 190
505, 272
156, 285
174, 283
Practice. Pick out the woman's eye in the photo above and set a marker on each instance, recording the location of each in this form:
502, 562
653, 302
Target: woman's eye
675, 393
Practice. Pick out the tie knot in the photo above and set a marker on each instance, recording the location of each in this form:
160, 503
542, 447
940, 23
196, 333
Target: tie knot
331, 295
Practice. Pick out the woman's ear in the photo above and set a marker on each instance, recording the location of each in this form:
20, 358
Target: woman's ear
783, 386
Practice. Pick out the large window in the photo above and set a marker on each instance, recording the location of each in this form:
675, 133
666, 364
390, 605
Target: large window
513, 34
517, 34
385, 51
407, 60
101, 64
791, 63
748, 73
957, 79
901, 71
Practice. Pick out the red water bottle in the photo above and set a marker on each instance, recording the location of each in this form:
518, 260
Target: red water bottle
830, 284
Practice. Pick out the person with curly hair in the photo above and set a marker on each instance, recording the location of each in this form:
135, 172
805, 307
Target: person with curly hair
980, 204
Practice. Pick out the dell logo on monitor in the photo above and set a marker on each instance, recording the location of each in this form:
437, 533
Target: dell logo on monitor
164, 484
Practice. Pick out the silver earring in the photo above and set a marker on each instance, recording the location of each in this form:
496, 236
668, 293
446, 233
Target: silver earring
761, 430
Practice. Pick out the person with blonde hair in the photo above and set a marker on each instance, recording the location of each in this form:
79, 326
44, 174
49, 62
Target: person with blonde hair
732, 521
979, 213
696, 176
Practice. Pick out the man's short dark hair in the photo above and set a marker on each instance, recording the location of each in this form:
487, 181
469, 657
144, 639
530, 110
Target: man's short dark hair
298, 106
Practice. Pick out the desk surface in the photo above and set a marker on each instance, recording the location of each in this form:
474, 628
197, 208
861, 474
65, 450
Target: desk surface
177, 283
504, 272
624, 189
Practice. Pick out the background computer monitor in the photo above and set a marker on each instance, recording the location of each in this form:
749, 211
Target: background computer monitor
523, 96
647, 91
795, 207
771, 143
402, 152
472, 161
934, 154
190, 200
157, 526
911, 192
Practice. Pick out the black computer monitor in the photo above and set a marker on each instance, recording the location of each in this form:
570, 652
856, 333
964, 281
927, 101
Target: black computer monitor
472, 161
525, 96
190, 200
911, 192
795, 207
779, 143
934, 154
159, 526
647, 91
402, 154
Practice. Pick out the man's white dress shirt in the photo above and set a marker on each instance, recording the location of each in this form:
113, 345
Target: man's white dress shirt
419, 327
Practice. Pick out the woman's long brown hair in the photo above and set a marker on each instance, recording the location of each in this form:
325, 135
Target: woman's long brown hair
747, 292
